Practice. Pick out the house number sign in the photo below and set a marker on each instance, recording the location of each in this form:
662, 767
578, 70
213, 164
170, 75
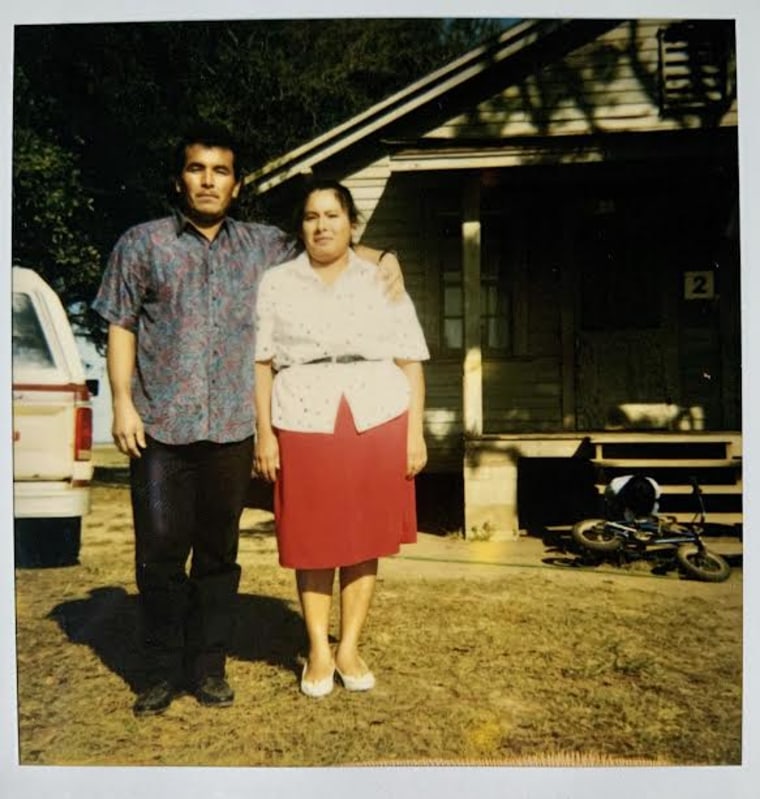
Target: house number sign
699, 285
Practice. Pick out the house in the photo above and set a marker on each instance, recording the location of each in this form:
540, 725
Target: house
564, 203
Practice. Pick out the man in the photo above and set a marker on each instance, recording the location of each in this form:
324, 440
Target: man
179, 295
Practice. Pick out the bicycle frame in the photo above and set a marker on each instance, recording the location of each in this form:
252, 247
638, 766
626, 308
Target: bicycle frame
655, 537
631, 530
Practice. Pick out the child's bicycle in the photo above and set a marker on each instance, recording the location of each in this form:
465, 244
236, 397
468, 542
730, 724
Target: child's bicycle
661, 538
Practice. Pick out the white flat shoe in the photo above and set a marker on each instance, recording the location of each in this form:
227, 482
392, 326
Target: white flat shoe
317, 688
364, 682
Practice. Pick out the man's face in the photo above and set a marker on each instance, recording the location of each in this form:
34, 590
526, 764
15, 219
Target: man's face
207, 182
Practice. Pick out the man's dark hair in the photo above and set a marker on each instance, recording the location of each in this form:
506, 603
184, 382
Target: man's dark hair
208, 134
638, 495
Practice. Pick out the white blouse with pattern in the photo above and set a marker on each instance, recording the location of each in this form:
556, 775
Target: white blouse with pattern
300, 318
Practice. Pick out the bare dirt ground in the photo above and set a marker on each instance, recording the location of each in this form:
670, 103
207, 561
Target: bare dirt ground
485, 653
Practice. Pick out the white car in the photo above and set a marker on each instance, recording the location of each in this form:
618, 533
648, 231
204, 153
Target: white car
52, 427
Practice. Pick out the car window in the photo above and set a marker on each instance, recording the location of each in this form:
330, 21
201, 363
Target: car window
30, 348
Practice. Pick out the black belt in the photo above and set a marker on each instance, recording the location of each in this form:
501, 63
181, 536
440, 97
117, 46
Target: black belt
331, 359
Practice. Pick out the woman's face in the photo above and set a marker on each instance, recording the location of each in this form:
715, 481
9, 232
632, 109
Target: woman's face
326, 228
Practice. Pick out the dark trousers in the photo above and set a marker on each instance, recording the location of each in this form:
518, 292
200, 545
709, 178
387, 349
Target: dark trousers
186, 502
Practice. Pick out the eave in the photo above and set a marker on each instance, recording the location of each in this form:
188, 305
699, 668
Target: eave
524, 48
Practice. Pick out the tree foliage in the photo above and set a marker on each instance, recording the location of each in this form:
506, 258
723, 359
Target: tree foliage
98, 107
52, 217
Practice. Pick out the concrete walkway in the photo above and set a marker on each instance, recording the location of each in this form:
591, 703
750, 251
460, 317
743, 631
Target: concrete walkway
437, 556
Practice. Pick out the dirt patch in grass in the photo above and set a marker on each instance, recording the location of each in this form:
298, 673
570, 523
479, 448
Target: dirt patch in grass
526, 664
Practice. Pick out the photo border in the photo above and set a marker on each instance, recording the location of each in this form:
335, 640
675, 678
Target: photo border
58, 781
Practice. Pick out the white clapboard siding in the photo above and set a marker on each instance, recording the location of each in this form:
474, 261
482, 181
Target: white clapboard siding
520, 396
608, 85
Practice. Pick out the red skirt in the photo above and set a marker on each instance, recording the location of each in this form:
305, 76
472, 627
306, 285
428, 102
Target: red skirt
342, 498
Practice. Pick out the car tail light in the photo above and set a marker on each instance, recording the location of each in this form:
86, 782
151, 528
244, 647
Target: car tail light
83, 434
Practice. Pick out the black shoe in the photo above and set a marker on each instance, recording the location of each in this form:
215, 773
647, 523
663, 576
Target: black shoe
155, 699
214, 692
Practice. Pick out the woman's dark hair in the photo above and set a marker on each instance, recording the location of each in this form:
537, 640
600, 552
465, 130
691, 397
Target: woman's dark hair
344, 196
208, 134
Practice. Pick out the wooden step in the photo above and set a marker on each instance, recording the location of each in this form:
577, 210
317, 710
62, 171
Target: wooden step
654, 463
687, 489
659, 436
729, 446
738, 488
689, 446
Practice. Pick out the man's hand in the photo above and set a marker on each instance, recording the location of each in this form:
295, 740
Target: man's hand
388, 268
391, 275
127, 430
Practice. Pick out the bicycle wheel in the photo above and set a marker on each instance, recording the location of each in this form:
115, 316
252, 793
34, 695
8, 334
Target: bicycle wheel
595, 535
702, 564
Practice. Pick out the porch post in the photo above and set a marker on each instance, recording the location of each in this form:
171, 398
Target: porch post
472, 387
490, 477
478, 491
568, 322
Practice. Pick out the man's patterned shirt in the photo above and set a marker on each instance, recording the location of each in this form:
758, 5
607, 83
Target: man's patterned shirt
191, 304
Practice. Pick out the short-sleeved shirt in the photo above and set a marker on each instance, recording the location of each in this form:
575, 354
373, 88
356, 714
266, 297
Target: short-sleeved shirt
190, 303
301, 318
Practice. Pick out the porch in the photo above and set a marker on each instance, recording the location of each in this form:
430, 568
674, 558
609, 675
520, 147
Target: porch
518, 482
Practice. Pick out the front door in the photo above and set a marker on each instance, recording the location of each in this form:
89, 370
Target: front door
626, 334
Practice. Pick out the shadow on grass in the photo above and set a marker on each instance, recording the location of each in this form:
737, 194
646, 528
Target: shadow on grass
658, 565
265, 629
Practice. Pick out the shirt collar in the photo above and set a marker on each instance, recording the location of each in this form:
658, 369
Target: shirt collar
183, 222
304, 265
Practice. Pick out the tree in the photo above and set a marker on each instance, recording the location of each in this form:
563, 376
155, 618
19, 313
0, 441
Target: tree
97, 109
51, 214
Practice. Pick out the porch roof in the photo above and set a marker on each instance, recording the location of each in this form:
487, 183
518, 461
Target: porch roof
519, 50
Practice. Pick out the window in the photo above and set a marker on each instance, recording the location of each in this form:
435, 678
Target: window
30, 348
495, 298
453, 311
695, 67
450, 264
495, 290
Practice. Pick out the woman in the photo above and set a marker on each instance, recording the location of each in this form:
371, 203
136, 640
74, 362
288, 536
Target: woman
339, 401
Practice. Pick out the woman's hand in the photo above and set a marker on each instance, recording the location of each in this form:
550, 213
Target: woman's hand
266, 454
416, 450
266, 460
127, 429
416, 454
